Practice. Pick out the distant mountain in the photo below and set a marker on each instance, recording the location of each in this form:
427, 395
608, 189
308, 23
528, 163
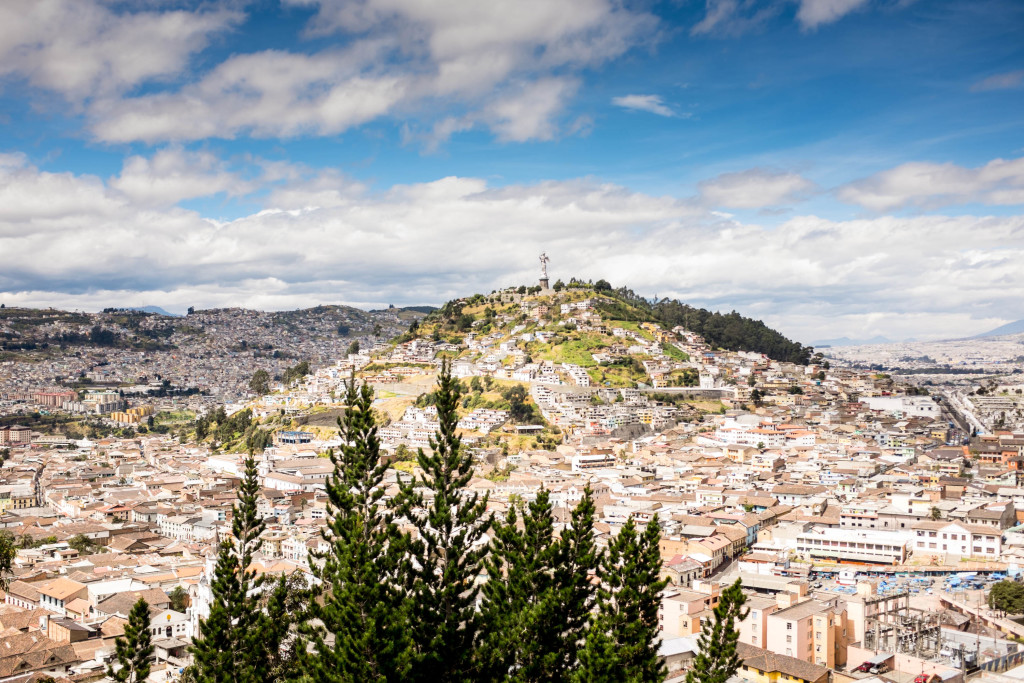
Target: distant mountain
154, 309
1009, 328
846, 341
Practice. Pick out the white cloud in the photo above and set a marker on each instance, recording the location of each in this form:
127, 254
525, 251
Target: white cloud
82, 49
648, 103
929, 185
815, 13
173, 174
755, 188
733, 18
267, 94
71, 240
527, 112
509, 65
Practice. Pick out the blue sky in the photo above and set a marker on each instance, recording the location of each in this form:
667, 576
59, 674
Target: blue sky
836, 167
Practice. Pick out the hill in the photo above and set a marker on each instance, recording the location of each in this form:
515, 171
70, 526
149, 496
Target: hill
326, 330
621, 308
1016, 327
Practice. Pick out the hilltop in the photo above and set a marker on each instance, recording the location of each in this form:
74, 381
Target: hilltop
517, 311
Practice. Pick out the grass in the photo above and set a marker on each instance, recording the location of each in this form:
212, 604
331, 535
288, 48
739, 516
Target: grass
674, 353
631, 326
614, 376
576, 351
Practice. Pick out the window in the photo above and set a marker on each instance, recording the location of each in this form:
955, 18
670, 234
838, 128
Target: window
789, 625
789, 639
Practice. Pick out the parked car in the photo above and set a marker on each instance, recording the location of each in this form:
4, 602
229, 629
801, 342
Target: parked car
864, 668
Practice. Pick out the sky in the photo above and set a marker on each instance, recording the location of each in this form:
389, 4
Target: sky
833, 167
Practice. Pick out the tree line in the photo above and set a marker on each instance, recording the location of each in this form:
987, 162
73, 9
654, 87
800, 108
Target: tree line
427, 585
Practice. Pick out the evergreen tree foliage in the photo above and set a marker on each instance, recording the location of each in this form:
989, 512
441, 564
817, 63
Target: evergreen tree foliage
718, 660
230, 646
134, 650
622, 642
538, 596
447, 553
362, 607
577, 560
517, 597
286, 604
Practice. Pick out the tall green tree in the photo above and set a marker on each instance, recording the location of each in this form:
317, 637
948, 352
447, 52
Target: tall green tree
622, 641
285, 605
447, 553
230, 646
718, 660
134, 650
538, 595
362, 609
517, 596
577, 560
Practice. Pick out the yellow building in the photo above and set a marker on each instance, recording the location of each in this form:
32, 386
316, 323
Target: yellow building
764, 666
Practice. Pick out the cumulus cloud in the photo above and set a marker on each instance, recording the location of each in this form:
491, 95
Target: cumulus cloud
815, 13
648, 103
511, 65
1004, 81
929, 185
82, 49
173, 174
755, 188
72, 240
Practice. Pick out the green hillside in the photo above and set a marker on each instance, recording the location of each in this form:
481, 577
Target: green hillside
485, 314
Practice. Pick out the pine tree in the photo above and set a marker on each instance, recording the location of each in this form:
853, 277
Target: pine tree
134, 649
718, 660
286, 604
447, 555
517, 597
538, 596
622, 641
362, 607
577, 559
230, 646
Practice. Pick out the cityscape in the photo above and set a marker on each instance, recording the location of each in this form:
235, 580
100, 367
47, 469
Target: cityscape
373, 340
